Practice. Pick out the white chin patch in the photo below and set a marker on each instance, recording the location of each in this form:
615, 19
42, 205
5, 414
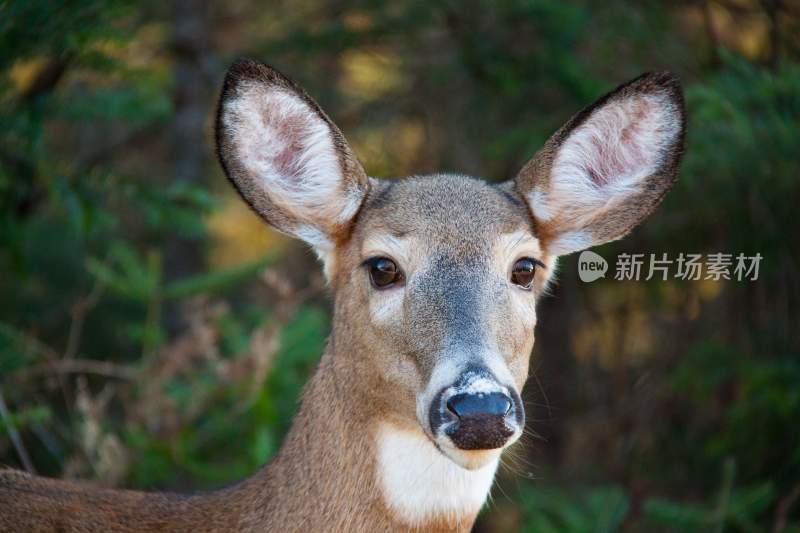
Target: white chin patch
420, 484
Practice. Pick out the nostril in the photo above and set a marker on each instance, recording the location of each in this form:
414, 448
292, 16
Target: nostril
479, 405
507, 403
452, 406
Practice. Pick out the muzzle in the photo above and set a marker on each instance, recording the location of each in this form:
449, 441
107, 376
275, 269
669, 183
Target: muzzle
476, 412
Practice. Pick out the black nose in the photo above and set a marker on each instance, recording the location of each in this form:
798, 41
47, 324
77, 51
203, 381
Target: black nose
481, 421
474, 406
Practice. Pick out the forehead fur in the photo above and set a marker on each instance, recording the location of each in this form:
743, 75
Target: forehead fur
445, 208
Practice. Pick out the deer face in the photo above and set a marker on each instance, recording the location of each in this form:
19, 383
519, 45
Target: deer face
442, 274
436, 278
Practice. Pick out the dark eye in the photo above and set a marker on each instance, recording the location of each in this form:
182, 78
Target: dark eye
523, 271
383, 272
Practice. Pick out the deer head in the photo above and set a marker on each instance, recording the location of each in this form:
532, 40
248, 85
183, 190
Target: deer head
436, 278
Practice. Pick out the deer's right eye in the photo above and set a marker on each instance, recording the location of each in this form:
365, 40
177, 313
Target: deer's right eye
383, 272
523, 271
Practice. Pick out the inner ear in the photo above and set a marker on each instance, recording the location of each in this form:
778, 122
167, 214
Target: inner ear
288, 153
618, 146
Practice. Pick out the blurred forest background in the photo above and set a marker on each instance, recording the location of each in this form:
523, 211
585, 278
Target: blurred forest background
154, 334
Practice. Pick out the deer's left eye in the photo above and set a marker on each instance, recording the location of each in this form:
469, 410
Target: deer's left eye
383, 272
523, 271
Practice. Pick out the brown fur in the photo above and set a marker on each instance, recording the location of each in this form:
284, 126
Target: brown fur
324, 477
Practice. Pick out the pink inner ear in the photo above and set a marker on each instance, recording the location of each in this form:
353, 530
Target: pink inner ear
620, 142
597, 179
287, 161
284, 148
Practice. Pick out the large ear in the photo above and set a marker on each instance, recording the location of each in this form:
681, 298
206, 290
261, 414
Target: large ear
608, 167
286, 158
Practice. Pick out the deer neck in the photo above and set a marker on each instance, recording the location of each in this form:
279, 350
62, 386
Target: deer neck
347, 464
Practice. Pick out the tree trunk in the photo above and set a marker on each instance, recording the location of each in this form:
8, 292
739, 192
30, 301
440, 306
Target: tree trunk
190, 48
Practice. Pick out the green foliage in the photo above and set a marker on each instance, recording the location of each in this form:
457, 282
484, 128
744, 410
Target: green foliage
25, 418
216, 448
741, 151
751, 405
741, 511
41, 27
550, 510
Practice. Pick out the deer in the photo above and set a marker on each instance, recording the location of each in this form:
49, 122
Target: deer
434, 282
